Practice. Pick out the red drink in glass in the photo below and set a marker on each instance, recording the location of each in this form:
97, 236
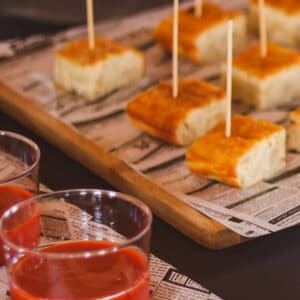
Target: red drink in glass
119, 275
94, 245
19, 162
9, 196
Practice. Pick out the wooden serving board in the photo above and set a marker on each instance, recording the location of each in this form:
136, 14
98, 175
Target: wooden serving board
99, 134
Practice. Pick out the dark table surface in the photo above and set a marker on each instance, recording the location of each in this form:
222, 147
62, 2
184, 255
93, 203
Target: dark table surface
265, 268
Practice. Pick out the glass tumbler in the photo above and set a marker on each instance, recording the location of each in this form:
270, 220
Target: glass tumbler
19, 170
80, 245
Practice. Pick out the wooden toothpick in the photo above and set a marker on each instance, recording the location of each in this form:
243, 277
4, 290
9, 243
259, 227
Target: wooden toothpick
198, 8
262, 29
90, 23
175, 49
229, 78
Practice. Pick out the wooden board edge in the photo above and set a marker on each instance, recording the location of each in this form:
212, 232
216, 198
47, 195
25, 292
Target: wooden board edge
198, 227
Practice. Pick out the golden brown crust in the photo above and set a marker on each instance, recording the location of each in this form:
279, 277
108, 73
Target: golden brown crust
295, 114
158, 113
290, 7
216, 156
297, 111
190, 27
79, 53
254, 64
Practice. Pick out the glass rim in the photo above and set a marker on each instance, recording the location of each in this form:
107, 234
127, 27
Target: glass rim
84, 254
29, 142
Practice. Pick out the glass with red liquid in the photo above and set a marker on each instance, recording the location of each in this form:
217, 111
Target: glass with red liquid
19, 169
93, 245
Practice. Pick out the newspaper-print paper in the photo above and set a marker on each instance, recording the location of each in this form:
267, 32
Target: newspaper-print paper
64, 219
265, 208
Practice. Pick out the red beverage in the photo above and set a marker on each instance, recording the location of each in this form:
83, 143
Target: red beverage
9, 196
121, 275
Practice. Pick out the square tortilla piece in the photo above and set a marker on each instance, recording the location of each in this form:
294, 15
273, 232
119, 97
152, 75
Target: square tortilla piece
266, 82
203, 39
282, 21
294, 131
255, 151
93, 74
198, 107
